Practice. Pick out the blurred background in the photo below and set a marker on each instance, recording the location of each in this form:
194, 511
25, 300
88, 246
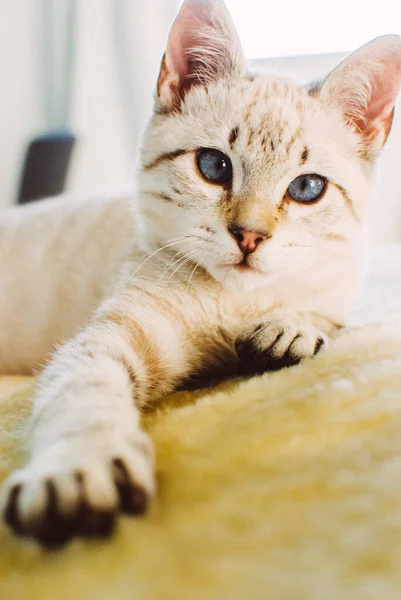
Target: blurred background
89, 67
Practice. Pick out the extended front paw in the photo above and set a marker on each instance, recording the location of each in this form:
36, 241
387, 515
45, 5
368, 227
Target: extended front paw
280, 341
78, 488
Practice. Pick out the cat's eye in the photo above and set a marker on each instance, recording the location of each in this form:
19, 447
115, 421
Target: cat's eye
215, 166
306, 188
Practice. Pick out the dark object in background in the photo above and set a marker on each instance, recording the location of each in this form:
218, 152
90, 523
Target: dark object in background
48, 155
46, 166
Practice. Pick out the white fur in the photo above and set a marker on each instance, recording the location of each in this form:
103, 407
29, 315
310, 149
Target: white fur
57, 261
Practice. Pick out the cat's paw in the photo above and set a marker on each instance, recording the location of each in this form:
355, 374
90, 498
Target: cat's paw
78, 487
280, 341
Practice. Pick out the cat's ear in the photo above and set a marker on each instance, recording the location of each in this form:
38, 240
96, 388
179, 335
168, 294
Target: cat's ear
202, 47
365, 87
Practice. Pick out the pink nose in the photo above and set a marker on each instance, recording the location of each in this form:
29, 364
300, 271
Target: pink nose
248, 240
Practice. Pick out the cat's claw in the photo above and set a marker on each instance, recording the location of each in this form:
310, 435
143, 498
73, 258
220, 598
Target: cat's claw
280, 341
79, 494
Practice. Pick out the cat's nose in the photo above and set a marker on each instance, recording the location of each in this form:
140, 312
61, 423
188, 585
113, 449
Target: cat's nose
247, 240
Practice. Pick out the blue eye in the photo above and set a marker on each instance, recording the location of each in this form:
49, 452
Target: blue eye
306, 188
215, 166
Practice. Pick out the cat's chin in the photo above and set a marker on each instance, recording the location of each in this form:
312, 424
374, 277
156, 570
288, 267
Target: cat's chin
239, 278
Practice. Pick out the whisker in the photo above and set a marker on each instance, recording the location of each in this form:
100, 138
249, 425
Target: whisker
192, 274
172, 243
173, 262
187, 259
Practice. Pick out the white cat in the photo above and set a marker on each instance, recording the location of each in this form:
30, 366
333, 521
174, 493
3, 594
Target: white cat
244, 253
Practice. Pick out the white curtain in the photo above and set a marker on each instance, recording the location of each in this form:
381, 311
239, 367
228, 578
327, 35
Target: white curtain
139, 29
119, 49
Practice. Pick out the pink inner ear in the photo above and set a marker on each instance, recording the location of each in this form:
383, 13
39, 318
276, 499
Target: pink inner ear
180, 41
202, 45
366, 85
385, 88
186, 33
372, 113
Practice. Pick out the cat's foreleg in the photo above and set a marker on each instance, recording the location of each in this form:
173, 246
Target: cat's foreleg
89, 458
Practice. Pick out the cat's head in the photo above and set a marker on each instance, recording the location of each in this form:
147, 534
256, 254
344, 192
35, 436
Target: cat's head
263, 179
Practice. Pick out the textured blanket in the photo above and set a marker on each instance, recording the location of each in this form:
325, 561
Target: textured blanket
286, 486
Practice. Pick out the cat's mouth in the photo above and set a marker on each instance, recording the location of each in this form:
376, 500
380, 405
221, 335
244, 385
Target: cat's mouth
242, 267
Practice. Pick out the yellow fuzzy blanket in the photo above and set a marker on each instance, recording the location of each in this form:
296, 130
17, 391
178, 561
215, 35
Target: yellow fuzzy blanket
283, 487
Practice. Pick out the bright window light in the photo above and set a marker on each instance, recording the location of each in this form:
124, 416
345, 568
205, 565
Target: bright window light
270, 28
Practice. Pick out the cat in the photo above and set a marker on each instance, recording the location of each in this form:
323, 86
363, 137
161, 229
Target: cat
246, 246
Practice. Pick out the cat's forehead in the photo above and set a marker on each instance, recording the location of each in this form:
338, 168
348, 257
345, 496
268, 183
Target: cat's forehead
270, 117
259, 102
268, 104
257, 114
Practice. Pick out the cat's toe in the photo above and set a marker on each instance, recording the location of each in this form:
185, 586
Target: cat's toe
10, 510
133, 498
276, 344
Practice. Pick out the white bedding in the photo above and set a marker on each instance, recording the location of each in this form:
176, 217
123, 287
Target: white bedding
382, 293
